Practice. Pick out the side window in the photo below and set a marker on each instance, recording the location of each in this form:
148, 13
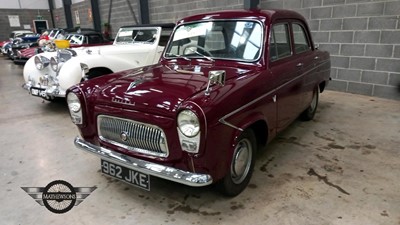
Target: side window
301, 43
280, 42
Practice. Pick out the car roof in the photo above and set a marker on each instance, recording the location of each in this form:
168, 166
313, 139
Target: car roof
163, 25
266, 15
21, 31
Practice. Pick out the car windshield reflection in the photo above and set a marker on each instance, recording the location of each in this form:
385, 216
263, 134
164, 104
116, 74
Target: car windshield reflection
135, 35
234, 40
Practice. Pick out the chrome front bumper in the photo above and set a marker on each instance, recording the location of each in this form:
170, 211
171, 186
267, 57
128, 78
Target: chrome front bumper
157, 170
49, 92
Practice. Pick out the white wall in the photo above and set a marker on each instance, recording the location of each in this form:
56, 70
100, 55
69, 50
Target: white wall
24, 4
59, 3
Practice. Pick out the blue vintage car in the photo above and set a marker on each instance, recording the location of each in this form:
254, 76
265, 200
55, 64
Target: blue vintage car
22, 43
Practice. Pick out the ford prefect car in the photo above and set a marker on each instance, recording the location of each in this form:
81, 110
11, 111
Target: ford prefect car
225, 85
49, 74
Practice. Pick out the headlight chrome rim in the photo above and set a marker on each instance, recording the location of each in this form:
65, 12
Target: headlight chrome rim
75, 108
74, 104
54, 64
41, 62
188, 123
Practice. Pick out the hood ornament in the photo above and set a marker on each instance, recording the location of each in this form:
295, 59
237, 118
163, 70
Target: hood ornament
135, 83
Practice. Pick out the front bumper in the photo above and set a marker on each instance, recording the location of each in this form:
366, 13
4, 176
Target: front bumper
49, 92
157, 170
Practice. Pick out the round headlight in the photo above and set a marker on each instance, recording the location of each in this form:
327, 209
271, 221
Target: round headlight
41, 62
74, 104
188, 123
54, 64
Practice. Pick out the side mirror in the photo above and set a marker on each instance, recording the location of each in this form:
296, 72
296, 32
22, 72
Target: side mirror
215, 77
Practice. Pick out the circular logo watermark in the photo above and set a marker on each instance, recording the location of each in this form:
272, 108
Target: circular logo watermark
59, 196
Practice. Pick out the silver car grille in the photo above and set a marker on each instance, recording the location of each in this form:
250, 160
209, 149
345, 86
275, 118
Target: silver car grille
133, 135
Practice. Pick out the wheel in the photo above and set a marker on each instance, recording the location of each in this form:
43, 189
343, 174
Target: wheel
309, 113
197, 46
242, 165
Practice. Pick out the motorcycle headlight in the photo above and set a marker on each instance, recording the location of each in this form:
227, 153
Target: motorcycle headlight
41, 62
54, 64
188, 123
74, 106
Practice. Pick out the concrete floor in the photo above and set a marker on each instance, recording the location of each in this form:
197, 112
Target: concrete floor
341, 168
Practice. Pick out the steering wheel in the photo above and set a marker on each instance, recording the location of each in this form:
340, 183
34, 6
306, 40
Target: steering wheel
197, 46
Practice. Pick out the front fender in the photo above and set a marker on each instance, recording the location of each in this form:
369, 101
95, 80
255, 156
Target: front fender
70, 73
112, 62
32, 73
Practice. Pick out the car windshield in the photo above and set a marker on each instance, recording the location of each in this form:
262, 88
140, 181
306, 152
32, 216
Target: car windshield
233, 40
76, 39
136, 35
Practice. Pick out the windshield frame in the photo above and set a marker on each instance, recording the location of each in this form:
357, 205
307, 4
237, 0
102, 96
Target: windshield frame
124, 29
168, 55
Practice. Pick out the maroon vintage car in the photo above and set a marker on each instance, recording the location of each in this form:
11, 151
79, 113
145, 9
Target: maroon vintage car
225, 85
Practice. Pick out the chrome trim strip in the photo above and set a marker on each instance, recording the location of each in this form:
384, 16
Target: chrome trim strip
154, 169
222, 120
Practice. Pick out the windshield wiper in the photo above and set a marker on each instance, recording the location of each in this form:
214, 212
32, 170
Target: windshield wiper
178, 56
198, 53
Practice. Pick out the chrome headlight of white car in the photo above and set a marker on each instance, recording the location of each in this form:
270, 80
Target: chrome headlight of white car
189, 131
54, 63
75, 109
41, 62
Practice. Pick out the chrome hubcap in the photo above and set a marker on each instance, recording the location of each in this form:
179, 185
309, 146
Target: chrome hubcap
241, 161
314, 101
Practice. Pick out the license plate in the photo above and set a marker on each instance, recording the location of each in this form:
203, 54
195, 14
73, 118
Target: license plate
130, 176
40, 92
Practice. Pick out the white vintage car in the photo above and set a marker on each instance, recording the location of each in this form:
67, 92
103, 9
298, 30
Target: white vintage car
50, 74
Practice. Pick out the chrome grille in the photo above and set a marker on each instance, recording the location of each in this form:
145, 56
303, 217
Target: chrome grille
132, 135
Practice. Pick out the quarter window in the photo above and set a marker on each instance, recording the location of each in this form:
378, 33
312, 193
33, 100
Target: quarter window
279, 42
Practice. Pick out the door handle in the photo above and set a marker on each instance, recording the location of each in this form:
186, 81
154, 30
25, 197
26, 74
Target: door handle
316, 57
299, 64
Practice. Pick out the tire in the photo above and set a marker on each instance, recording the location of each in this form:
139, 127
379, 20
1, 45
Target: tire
309, 113
242, 165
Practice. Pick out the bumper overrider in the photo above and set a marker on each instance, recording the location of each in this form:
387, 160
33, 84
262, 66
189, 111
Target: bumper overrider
154, 169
